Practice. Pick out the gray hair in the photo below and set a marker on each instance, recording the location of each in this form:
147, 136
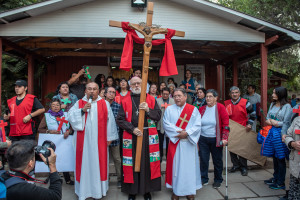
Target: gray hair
86, 85
214, 92
171, 84
234, 88
181, 90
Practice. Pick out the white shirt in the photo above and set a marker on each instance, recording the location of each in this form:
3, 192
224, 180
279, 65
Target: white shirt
208, 128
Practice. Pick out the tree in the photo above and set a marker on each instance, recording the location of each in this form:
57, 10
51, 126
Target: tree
285, 13
11, 4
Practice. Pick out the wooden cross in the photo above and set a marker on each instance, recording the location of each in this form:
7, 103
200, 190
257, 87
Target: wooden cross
165, 105
183, 120
65, 101
297, 132
187, 85
148, 32
296, 111
62, 121
2, 126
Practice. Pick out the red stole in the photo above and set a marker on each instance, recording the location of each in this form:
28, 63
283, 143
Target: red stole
238, 112
168, 64
127, 143
102, 140
17, 113
182, 122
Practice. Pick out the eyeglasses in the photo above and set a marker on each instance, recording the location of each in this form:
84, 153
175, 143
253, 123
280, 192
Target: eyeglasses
92, 89
137, 83
111, 92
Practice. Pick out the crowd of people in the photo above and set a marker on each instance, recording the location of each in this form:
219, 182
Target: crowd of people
103, 116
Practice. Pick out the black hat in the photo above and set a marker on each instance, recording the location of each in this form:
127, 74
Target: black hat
21, 83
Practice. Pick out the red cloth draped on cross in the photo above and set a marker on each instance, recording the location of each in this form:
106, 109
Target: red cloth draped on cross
168, 65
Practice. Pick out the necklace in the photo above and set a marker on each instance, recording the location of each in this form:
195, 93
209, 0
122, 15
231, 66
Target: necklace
137, 110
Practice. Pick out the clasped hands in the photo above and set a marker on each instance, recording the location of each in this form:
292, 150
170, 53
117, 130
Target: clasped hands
182, 134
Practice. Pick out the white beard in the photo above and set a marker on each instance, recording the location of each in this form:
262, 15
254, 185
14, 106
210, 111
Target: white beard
136, 91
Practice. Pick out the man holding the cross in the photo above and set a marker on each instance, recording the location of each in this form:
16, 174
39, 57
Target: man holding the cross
182, 124
148, 179
163, 102
95, 127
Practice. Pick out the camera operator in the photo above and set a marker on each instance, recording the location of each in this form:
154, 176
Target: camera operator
21, 160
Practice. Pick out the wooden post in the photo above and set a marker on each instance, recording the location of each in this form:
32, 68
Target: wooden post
30, 74
264, 80
221, 82
148, 31
0, 74
235, 71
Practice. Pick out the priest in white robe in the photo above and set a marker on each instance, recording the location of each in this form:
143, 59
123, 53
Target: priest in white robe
94, 125
182, 124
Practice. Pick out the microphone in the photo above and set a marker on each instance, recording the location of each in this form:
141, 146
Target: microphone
90, 101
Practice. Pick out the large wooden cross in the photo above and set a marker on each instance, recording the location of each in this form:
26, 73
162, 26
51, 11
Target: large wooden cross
148, 32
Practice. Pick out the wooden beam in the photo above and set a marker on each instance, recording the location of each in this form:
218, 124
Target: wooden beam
24, 51
119, 25
30, 74
271, 40
221, 82
1, 75
264, 80
235, 71
120, 46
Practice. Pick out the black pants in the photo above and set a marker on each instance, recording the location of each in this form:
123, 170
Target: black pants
279, 170
238, 161
207, 146
161, 144
24, 137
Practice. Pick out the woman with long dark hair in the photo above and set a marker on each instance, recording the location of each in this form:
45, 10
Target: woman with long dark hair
161, 86
123, 91
153, 90
66, 98
110, 82
200, 100
100, 80
271, 136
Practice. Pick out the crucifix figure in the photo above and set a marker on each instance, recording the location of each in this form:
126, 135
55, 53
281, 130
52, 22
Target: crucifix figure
62, 121
148, 31
2, 126
187, 85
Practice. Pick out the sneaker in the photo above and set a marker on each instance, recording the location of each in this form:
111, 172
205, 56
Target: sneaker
119, 184
216, 185
204, 182
275, 186
269, 181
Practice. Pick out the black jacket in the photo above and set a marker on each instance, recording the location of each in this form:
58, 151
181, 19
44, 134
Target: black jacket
28, 191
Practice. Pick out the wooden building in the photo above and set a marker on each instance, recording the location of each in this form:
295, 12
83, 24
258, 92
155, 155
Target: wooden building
67, 34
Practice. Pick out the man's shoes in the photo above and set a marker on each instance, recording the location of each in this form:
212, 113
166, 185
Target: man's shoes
244, 172
147, 196
216, 185
131, 197
190, 197
275, 186
233, 169
269, 181
174, 197
70, 182
119, 184
204, 182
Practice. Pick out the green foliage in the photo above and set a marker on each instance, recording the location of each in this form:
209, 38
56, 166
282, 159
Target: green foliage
11, 4
285, 13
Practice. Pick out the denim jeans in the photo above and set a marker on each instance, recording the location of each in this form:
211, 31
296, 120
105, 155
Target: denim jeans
207, 146
279, 170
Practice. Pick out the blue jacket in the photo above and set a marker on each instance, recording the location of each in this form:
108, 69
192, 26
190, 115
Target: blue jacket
272, 145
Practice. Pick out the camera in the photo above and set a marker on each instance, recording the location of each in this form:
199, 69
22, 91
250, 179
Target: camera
44, 150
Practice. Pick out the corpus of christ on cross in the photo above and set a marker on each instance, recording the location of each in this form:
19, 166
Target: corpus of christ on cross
148, 31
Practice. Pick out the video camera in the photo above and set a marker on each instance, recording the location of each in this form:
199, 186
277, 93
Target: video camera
44, 150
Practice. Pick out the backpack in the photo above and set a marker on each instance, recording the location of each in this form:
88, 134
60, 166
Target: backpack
4, 184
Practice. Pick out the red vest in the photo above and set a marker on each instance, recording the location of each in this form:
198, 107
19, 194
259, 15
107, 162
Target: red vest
17, 113
154, 153
238, 112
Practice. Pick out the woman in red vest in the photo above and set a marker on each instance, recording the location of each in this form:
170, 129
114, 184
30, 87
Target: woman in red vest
214, 134
123, 91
